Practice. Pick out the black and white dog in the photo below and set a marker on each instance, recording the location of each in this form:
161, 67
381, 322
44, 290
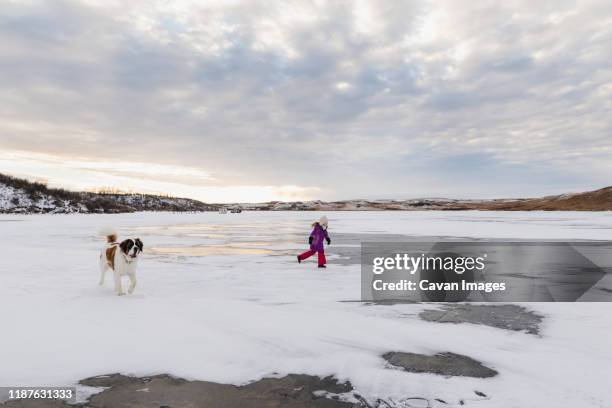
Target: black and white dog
121, 258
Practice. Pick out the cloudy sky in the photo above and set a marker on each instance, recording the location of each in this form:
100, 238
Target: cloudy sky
254, 101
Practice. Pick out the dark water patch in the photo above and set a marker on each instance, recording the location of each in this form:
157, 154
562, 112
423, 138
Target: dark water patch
292, 391
165, 391
508, 317
447, 364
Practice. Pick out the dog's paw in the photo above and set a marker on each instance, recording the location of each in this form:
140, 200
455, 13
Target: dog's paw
121, 294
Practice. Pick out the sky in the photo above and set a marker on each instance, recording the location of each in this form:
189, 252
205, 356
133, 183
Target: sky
244, 101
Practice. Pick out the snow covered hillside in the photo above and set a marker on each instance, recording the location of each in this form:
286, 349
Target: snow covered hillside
16, 200
24, 197
20, 196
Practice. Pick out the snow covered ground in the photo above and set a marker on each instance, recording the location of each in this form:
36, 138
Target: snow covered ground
221, 298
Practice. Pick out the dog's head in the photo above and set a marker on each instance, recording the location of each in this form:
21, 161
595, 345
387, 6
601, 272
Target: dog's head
131, 247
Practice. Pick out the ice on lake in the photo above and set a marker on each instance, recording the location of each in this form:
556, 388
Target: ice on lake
220, 297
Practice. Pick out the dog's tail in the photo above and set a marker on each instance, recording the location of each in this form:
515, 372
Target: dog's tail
110, 234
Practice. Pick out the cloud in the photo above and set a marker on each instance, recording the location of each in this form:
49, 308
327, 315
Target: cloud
89, 174
341, 99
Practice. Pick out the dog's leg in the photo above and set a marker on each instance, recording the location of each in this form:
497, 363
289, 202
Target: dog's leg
132, 283
102, 273
103, 268
118, 287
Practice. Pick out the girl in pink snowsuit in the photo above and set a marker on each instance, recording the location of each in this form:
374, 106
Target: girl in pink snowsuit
318, 234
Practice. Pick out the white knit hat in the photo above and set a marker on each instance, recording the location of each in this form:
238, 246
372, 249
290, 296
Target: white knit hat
323, 220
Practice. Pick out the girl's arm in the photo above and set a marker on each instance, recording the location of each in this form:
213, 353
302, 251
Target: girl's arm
327, 237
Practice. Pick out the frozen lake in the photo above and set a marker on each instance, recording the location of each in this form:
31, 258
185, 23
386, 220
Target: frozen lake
222, 298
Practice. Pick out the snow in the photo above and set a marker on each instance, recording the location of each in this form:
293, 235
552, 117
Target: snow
18, 201
221, 298
11, 197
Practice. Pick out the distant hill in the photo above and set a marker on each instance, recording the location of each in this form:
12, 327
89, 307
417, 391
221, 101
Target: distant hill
598, 200
25, 197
